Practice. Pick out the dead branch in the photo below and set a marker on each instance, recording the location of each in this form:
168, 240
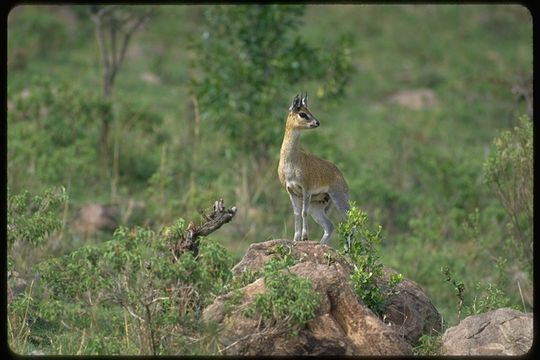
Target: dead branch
213, 221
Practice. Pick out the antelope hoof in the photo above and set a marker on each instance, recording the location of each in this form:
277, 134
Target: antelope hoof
304, 237
324, 239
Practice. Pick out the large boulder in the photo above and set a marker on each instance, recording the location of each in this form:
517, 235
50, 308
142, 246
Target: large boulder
416, 99
92, 218
342, 325
410, 311
500, 332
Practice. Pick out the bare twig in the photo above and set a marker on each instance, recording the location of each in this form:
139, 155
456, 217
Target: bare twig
126, 330
133, 314
25, 317
150, 329
213, 221
265, 332
159, 299
83, 338
236, 342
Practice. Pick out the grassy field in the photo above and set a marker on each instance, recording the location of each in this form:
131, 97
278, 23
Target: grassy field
430, 91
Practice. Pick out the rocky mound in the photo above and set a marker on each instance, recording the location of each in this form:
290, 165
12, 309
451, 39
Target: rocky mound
499, 332
342, 325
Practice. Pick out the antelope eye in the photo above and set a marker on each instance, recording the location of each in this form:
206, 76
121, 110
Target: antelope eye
303, 115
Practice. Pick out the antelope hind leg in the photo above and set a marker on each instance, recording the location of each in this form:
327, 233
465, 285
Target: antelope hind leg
318, 213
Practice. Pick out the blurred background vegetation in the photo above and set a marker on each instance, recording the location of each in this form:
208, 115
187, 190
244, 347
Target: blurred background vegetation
426, 109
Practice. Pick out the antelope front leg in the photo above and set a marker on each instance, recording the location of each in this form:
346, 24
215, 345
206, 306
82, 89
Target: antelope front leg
305, 210
297, 208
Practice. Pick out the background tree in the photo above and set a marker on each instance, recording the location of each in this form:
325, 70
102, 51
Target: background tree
249, 61
115, 26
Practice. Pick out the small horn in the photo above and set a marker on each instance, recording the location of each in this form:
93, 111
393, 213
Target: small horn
304, 100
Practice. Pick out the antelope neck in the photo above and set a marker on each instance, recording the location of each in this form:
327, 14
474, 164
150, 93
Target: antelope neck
291, 144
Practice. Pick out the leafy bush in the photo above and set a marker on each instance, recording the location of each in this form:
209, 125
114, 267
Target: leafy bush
33, 218
509, 173
487, 298
31, 221
428, 345
19, 324
361, 244
458, 286
131, 289
288, 299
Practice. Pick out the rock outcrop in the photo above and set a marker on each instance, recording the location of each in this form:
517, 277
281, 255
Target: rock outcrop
342, 325
410, 312
500, 332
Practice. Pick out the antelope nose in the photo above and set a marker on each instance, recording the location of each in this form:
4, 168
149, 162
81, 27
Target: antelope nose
317, 123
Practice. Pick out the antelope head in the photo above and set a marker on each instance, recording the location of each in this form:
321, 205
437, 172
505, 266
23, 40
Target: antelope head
299, 115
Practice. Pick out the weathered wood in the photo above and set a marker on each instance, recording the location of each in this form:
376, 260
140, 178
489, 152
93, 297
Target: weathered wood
213, 221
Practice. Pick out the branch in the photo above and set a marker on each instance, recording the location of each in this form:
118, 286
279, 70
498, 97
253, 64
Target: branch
115, 64
129, 32
265, 332
213, 221
133, 314
101, 39
100, 11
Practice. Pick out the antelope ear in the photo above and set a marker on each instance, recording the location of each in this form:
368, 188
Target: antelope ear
295, 103
304, 100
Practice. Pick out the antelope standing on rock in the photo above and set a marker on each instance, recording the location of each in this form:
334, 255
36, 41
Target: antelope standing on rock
313, 184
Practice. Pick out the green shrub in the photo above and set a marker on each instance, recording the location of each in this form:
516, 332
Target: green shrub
509, 173
487, 298
31, 221
132, 281
33, 218
458, 286
288, 299
246, 278
361, 244
428, 345
19, 320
